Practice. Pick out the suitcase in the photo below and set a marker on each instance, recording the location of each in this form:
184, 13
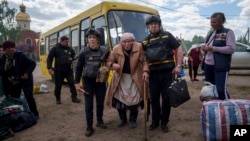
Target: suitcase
217, 115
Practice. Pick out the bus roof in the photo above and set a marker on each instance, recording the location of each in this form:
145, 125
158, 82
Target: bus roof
98, 9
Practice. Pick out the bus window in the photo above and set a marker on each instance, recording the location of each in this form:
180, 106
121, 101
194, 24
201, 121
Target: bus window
74, 40
47, 45
99, 24
64, 32
85, 24
52, 40
115, 27
127, 21
42, 48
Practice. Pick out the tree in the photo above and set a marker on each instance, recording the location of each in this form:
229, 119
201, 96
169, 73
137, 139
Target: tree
198, 39
8, 29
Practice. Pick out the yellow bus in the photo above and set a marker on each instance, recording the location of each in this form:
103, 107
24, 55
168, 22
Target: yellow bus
110, 18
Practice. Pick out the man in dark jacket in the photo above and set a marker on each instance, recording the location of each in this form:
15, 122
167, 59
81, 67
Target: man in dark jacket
159, 46
16, 71
64, 56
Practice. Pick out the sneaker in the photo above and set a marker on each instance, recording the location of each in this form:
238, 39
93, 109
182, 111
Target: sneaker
153, 126
89, 131
76, 100
164, 128
122, 123
101, 125
132, 125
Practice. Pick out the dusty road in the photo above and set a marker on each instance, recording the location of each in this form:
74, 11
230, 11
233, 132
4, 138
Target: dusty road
66, 122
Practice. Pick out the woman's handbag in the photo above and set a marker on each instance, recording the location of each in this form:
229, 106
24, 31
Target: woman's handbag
178, 92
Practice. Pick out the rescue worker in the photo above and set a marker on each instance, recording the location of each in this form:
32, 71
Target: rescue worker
64, 55
91, 58
159, 46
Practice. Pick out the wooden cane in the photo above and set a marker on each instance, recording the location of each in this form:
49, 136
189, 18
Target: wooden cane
145, 109
192, 70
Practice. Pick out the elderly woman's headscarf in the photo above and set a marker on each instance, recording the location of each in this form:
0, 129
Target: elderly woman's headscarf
127, 36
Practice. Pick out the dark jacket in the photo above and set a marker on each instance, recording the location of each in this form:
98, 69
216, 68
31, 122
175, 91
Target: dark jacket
63, 57
23, 64
159, 50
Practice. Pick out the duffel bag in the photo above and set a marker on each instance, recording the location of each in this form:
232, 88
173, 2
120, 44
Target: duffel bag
5, 130
217, 116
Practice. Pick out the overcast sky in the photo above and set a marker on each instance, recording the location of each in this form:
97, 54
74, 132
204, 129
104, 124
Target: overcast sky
184, 18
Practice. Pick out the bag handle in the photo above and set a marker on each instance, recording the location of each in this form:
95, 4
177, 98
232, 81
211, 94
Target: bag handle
208, 83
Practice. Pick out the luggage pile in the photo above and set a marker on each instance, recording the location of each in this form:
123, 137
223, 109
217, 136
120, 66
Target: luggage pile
15, 116
217, 116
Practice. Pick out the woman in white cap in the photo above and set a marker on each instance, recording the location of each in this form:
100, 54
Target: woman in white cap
125, 91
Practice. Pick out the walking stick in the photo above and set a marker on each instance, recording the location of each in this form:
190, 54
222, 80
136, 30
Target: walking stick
145, 99
192, 70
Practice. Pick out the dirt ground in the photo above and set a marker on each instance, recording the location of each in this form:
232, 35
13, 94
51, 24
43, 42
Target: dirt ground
66, 122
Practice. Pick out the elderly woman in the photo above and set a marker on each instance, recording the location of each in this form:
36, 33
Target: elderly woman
125, 91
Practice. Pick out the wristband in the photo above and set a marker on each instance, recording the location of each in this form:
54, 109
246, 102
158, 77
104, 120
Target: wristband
178, 65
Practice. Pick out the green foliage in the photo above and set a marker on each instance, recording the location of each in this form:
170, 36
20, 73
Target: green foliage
196, 40
8, 29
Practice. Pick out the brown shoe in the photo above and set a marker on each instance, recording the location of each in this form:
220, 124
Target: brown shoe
89, 131
76, 100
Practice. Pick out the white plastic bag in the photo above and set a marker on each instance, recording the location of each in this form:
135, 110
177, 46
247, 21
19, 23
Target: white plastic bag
208, 92
43, 88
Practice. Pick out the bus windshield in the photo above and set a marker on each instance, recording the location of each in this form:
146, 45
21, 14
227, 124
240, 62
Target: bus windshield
127, 21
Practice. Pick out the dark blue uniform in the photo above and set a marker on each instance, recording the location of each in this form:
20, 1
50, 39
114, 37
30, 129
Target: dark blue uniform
87, 67
63, 68
159, 54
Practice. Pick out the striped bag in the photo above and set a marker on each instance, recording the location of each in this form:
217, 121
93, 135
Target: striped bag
217, 116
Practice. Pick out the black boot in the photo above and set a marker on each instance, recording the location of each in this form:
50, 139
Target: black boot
154, 125
132, 117
89, 131
123, 117
101, 124
58, 100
